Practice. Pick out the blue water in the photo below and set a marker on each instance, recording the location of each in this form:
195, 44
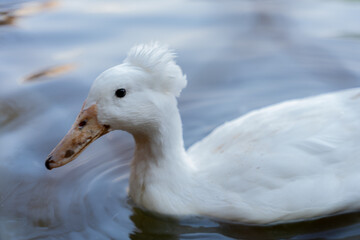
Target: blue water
237, 55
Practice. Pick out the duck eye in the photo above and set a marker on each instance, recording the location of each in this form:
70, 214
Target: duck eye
120, 93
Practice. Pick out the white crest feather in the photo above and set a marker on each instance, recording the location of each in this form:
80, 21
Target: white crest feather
159, 62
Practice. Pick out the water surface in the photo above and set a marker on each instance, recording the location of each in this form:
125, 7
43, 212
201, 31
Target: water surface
237, 55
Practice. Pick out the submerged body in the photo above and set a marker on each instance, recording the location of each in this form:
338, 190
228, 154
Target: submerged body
291, 161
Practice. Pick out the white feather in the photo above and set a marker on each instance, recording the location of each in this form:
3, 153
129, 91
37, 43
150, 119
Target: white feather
159, 61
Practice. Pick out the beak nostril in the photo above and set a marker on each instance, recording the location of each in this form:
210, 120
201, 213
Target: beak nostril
82, 124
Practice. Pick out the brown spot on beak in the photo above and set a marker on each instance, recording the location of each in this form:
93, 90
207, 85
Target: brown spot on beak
84, 131
69, 153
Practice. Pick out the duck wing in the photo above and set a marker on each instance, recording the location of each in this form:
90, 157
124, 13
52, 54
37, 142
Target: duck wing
296, 159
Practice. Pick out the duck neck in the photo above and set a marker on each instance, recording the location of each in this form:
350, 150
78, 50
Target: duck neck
159, 144
159, 157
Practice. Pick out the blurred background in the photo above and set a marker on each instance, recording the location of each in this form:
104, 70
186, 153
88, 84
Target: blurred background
238, 55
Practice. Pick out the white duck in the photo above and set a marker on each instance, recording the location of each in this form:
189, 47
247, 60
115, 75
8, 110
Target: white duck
291, 161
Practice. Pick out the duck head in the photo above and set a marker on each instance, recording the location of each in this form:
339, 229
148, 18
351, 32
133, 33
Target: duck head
132, 96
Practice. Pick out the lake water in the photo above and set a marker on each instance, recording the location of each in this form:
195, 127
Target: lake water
237, 55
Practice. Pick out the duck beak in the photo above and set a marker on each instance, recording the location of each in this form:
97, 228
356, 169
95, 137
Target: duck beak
84, 131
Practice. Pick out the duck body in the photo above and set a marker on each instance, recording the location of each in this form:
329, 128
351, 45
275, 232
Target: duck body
294, 160
291, 161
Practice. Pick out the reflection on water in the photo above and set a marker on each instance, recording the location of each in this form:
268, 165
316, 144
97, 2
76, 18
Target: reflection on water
6, 18
152, 227
50, 72
238, 56
9, 15
9, 112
